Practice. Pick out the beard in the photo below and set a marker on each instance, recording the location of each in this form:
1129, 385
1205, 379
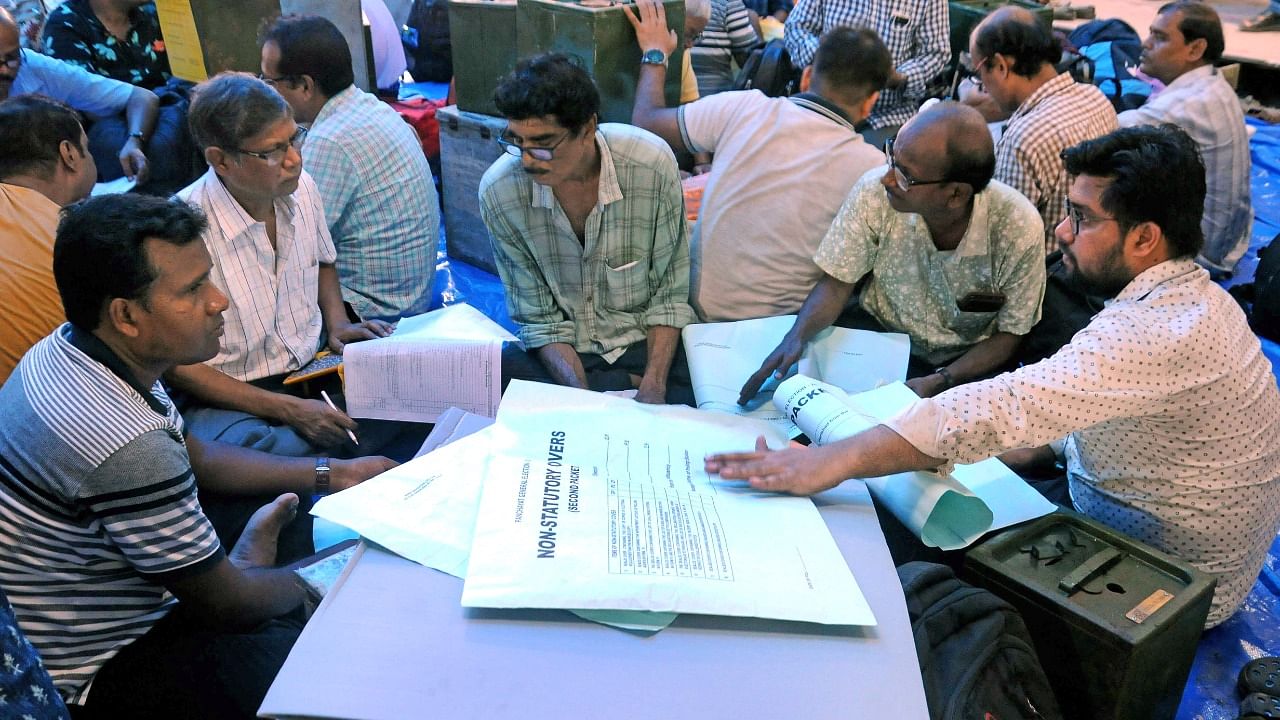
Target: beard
1106, 282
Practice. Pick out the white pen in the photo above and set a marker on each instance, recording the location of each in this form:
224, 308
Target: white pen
350, 434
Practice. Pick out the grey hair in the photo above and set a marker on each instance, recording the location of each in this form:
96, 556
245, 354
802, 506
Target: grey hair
231, 108
698, 9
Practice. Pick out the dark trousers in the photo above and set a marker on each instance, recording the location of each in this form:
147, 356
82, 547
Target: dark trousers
184, 669
517, 364
170, 151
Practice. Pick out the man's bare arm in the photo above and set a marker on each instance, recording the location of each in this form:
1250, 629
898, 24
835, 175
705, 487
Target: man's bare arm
979, 360
563, 364
651, 111
662, 341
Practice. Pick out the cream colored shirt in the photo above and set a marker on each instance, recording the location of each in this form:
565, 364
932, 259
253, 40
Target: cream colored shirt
31, 308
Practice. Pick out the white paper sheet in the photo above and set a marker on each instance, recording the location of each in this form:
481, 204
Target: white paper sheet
120, 185
453, 424
723, 355
948, 511
442, 359
602, 503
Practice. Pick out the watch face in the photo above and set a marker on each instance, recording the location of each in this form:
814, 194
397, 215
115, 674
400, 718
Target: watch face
654, 57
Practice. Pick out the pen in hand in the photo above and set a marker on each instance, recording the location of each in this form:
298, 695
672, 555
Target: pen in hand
350, 434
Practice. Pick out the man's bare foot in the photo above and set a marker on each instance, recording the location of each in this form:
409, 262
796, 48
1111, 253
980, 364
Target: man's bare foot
257, 544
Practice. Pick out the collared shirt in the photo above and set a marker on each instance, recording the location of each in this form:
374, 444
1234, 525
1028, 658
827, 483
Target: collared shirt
728, 32
91, 94
630, 274
32, 306
1059, 114
914, 286
74, 34
1201, 102
98, 505
1174, 422
743, 267
379, 203
273, 323
917, 33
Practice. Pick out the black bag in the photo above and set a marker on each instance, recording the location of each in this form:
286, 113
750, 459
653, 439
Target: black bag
975, 654
1260, 299
769, 70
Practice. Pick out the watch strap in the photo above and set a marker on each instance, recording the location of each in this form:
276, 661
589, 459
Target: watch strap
322, 476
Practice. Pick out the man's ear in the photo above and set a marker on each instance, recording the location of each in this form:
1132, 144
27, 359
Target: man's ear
70, 156
806, 78
1196, 49
217, 158
865, 110
120, 315
1146, 240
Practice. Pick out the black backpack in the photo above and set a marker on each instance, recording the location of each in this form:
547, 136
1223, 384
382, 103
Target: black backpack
975, 655
1260, 299
430, 45
769, 69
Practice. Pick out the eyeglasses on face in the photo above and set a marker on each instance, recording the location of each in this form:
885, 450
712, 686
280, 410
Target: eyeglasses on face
273, 81
541, 154
974, 70
13, 60
275, 155
905, 182
1079, 217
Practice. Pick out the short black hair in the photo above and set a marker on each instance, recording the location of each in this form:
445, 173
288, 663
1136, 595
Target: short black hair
32, 128
1156, 176
1199, 22
1022, 37
99, 253
549, 85
312, 45
853, 61
232, 107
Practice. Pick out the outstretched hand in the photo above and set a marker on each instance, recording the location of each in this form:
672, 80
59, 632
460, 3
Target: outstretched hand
650, 22
795, 470
778, 363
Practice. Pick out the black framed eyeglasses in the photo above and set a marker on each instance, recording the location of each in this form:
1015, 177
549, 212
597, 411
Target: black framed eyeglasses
966, 61
541, 154
13, 60
1078, 217
905, 182
276, 155
273, 81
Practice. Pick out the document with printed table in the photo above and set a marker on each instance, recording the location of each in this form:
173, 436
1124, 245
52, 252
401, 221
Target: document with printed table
599, 502
451, 357
723, 355
946, 510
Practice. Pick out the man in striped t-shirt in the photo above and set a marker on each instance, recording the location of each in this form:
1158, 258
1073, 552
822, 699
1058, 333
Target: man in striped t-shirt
115, 574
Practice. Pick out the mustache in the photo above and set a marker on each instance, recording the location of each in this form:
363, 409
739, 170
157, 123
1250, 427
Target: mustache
535, 171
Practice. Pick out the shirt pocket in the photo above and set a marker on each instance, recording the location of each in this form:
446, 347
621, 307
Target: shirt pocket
970, 324
626, 284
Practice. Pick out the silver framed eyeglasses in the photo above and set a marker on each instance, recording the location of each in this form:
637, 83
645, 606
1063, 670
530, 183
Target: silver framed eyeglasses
275, 156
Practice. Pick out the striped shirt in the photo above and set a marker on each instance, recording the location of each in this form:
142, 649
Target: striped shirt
1059, 114
379, 202
1201, 102
728, 33
917, 33
97, 505
273, 323
632, 272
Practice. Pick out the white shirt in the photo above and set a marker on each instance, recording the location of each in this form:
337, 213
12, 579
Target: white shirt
1202, 103
1174, 422
782, 170
273, 323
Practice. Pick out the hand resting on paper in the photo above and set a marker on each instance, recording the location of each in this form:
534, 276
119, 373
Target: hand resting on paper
354, 332
779, 363
349, 473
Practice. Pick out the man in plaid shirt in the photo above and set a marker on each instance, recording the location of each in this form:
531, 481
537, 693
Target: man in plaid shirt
917, 33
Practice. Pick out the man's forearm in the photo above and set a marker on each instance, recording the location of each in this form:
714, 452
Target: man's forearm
662, 341
217, 389
141, 111
233, 470
329, 296
825, 303
562, 363
985, 357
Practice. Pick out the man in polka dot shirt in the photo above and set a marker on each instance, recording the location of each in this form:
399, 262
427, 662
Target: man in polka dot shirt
1163, 408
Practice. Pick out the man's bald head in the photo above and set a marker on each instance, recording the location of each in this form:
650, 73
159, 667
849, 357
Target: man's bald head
7, 23
1016, 33
961, 136
8, 46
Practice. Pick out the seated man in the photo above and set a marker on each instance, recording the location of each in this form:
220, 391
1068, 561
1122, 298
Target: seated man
44, 165
1014, 56
116, 575
380, 202
23, 72
273, 254
783, 167
121, 40
949, 257
727, 37
915, 31
1169, 408
1185, 41
590, 239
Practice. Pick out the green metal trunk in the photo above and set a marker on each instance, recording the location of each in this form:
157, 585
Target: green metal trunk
484, 50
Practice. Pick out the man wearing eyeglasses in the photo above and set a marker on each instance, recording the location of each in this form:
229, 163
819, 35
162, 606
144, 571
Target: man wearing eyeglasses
941, 251
23, 72
379, 199
1164, 408
589, 237
274, 258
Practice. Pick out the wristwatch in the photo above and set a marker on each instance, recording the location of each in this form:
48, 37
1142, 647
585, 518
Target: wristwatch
653, 57
322, 476
948, 381
136, 134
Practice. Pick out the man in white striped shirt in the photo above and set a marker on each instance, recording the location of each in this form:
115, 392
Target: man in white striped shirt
1184, 42
273, 255
115, 573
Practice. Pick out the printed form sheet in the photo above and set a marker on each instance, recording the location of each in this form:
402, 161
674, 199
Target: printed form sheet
599, 502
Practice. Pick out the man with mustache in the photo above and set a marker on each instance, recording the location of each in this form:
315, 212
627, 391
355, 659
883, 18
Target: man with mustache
590, 239
274, 257
1164, 407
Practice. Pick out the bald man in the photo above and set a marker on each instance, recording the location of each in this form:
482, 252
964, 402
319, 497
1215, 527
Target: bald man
951, 257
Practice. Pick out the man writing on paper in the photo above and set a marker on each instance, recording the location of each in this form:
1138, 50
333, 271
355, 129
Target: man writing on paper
590, 239
944, 254
753, 243
1169, 409
273, 254
116, 574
